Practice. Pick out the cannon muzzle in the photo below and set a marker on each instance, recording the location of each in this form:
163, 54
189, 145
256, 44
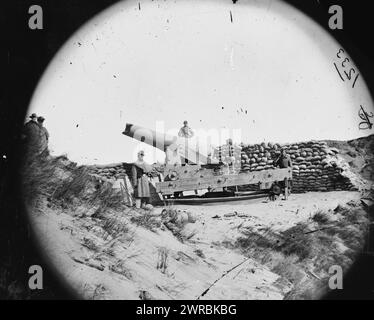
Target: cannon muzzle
156, 139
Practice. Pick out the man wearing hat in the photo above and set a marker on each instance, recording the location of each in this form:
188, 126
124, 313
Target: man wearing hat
140, 171
31, 134
32, 121
44, 135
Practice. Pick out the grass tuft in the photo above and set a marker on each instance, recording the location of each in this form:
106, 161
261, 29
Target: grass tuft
72, 187
115, 226
147, 221
320, 217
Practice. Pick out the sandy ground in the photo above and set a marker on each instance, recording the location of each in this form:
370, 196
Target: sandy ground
156, 265
278, 215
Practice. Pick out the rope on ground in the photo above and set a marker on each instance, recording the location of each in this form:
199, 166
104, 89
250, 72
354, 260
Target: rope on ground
223, 275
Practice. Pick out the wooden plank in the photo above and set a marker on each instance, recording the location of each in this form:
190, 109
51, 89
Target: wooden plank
196, 201
196, 183
246, 193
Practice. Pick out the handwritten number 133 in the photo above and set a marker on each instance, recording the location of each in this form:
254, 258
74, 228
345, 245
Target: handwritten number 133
352, 71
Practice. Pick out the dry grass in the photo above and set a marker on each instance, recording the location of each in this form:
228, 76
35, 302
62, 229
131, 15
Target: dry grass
253, 240
147, 221
72, 187
294, 252
162, 259
90, 244
38, 177
120, 268
296, 242
308, 289
287, 268
42, 176
320, 217
66, 185
115, 226
290, 242
355, 216
104, 198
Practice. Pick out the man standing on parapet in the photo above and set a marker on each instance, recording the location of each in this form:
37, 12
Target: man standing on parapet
185, 131
284, 161
44, 135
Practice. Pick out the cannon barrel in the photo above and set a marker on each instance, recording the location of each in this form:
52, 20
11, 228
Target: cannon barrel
176, 148
156, 139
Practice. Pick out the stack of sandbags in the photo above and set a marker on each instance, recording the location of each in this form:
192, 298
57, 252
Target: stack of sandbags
111, 171
258, 157
316, 167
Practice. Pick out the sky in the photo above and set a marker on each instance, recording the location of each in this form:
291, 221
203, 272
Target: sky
267, 74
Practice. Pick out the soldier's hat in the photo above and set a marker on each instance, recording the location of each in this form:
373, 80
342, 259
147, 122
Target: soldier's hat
41, 119
33, 116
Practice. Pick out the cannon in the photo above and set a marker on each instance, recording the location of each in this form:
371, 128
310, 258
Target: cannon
188, 167
178, 150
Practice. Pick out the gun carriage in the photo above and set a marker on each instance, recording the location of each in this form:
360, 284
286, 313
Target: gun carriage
189, 167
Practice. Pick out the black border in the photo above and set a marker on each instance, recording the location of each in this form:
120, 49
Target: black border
26, 55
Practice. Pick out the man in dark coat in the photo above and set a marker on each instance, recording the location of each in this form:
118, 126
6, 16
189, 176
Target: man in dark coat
140, 181
44, 135
284, 161
31, 124
31, 136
